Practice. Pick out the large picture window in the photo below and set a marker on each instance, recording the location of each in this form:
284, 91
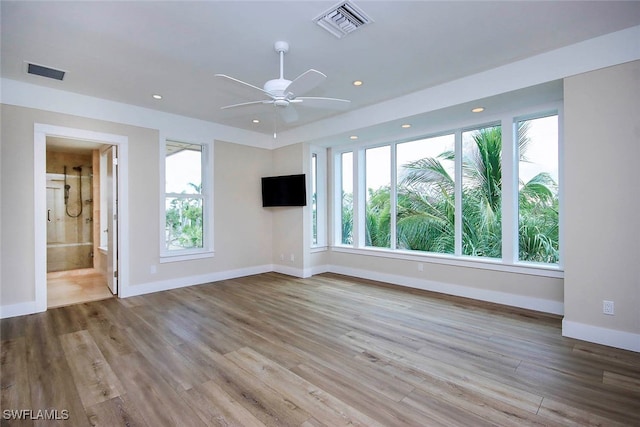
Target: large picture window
447, 194
482, 192
426, 194
314, 199
186, 199
346, 198
538, 203
378, 197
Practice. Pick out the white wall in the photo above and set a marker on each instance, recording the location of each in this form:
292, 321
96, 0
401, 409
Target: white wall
288, 222
602, 205
243, 232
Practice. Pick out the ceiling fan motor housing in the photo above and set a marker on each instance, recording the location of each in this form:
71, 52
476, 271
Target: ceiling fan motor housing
277, 87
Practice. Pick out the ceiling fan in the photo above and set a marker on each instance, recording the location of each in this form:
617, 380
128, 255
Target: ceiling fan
283, 94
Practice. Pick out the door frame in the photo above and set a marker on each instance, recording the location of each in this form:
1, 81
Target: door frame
109, 194
40, 133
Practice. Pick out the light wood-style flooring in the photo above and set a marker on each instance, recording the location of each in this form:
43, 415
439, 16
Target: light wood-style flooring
325, 351
76, 286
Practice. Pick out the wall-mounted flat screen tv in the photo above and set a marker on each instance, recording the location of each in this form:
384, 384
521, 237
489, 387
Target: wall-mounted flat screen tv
288, 190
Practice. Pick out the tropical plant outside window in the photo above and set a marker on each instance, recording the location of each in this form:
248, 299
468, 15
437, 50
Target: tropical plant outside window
184, 221
482, 192
538, 204
426, 193
378, 197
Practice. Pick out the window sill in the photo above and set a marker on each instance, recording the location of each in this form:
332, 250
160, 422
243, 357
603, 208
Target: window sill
315, 249
167, 258
544, 270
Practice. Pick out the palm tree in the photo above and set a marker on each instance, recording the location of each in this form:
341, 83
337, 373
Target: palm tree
426, 203
538, 231
482, 192
426, 206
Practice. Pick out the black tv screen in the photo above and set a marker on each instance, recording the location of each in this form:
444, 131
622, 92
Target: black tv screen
288, 190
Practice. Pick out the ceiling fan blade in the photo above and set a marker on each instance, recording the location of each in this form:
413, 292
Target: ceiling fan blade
244, 84
320, 102
288, 114
304, 83
243, 104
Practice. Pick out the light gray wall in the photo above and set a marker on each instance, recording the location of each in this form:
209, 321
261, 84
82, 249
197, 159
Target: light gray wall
243, 232
602, 197
288, 222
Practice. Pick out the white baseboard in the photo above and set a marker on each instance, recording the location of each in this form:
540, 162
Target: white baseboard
165, 285
318, 269
20, 309
289, 271
599, 335
521, 301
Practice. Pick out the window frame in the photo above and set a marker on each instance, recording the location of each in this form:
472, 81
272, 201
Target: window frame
320, 178
516, 244
206, 195
509, 201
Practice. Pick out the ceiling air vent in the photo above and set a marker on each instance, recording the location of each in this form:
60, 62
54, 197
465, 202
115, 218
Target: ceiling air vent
40, 70
342, 19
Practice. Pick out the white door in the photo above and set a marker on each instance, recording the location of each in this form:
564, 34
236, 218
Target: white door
111, 202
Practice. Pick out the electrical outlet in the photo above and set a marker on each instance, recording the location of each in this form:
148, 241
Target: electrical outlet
292, 257
153, 269
420, 266
281, 257
608, 308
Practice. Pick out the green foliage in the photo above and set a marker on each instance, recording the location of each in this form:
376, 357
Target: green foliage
184, 222
347, 218
426, 205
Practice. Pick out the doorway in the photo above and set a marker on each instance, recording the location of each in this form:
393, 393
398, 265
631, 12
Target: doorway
76, 188
78, 264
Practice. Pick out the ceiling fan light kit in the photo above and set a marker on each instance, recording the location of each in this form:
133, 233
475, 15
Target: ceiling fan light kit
282, 93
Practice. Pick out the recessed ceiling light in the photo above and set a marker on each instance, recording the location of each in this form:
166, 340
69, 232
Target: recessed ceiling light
353, 137
477, 110
357, 82
255, 121
156, 96
406, 126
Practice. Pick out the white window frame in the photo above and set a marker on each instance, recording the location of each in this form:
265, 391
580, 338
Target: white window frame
206, 194
509, 261
337, 197
321, 197
515, 241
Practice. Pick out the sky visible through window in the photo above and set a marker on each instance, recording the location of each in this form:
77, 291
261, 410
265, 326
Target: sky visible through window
183, 168
542, 155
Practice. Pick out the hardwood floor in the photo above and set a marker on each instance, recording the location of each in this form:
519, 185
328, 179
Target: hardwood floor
76, 286
326, 351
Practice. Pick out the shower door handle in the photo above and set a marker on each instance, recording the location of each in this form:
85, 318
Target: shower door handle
48, 215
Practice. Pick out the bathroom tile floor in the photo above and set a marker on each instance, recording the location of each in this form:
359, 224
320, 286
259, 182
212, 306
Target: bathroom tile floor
76, 286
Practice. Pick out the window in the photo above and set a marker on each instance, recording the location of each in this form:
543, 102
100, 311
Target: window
314, 199
378, 197
426, 194
482, 192
318, 180
447, 194
187, 203
346, 198
538, 204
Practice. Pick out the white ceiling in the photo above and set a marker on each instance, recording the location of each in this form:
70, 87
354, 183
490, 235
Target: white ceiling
127, 51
